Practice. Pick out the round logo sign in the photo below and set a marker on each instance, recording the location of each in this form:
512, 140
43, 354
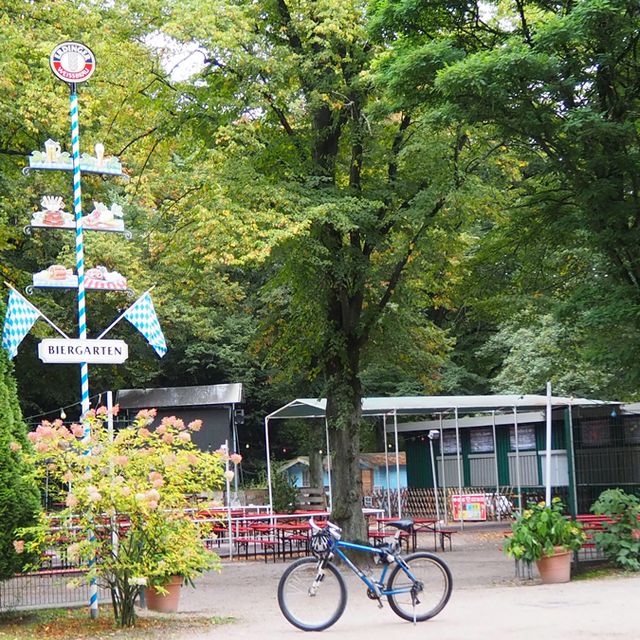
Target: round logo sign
72, 62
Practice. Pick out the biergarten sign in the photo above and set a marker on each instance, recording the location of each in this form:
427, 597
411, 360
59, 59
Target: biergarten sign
60, 351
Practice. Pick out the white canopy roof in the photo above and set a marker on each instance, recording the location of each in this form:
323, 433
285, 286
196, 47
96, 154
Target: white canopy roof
420, 405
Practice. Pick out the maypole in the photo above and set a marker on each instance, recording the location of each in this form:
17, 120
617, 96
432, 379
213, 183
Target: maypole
73, 63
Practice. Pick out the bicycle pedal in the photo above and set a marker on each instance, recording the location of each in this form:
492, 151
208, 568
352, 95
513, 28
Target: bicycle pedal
380, 605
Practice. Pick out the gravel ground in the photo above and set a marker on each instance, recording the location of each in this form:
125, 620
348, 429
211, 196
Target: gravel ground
487, 601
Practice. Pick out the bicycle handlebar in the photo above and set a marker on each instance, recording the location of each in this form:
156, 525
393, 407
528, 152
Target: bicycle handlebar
334, 530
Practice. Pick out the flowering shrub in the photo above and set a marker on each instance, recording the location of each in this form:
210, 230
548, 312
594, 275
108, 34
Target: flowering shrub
539, 529
127, 497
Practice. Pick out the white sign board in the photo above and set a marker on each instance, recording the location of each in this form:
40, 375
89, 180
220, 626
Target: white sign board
60, 351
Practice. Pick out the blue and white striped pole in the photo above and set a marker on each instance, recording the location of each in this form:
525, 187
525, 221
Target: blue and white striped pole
73, 62
77, 209
82, 313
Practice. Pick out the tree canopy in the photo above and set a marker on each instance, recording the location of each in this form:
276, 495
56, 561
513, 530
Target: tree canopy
343, 198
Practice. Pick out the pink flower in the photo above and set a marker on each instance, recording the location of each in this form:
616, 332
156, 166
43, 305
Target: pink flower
32, 435
236, 458
196, 425
101, 411
162, 429
179, 424
115, 410
45, 431
73, 552
169, 459
152, 504
184, 437
71, 501
93, 494
168, 438
15, 446
146, 414
41, 447
77, 430
126, 491
90, 414
122, 460
144, 433
18, 545
229, 475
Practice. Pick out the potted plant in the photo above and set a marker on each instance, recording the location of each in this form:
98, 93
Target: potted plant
543, 534
173, 554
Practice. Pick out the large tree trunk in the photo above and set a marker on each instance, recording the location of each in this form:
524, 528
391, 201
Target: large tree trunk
344, 413
316, 476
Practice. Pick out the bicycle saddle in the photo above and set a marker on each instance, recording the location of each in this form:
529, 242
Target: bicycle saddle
404, 525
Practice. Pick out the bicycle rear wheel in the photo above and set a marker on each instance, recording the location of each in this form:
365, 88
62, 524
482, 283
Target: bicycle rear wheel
310, 598
423, 594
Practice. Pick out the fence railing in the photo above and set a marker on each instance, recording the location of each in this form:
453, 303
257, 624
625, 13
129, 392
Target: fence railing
47, 588
421, 502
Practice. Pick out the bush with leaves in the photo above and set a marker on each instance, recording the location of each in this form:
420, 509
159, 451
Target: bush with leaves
19, 499
620, 537
135, 487
285, 493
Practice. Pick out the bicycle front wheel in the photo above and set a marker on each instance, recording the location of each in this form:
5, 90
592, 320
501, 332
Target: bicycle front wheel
311, 597
423, 591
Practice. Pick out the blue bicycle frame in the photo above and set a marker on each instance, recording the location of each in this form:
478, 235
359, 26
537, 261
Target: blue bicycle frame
377, 587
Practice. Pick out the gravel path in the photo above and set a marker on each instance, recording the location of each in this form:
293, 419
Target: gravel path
487, 602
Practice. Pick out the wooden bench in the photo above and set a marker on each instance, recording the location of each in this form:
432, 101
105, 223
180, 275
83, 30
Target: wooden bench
268, 547
440, 534
591, 524
379, 538
445, 534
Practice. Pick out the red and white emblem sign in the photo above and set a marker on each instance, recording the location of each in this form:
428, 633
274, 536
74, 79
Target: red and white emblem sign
72, 62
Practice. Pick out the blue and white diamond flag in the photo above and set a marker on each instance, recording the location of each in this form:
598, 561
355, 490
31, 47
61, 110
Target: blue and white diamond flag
142, 315
20, 317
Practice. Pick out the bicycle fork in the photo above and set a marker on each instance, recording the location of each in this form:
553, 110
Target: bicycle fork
313, 589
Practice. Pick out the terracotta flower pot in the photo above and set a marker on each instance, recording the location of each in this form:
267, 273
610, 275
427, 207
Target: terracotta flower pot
555, 568
164, 603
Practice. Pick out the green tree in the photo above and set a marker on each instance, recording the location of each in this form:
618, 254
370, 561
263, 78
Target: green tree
19, 498
356, 199
562, 90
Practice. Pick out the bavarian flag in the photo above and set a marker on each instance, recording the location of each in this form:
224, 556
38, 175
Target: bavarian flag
142, 315
20, 317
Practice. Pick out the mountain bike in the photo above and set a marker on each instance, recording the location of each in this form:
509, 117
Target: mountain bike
312, 593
